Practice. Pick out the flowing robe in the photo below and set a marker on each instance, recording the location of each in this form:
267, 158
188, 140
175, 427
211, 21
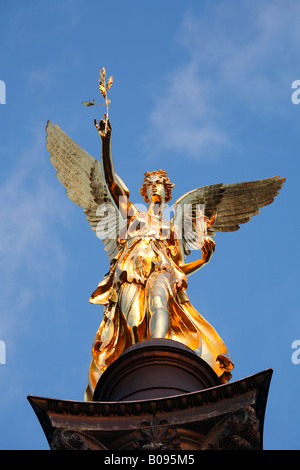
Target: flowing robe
148, 263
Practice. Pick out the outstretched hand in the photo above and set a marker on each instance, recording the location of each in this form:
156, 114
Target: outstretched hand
103, 128
208, 247
210, 220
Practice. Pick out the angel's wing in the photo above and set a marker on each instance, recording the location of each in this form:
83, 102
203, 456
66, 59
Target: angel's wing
82, 177
234, 204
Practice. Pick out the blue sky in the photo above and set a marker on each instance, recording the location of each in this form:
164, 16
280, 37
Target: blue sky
202, 90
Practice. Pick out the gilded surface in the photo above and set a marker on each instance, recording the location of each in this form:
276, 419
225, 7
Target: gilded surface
144, 293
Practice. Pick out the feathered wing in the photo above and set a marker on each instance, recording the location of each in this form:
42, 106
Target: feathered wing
81, 174
234, 204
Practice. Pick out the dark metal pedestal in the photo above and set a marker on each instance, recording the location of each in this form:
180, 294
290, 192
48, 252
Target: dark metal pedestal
159, 396
154, 369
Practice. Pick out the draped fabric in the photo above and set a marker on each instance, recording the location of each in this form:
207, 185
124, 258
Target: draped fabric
146, 265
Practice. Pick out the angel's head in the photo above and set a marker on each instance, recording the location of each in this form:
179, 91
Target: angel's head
157, 186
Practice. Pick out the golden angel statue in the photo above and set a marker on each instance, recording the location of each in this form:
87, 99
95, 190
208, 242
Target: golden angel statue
144, 292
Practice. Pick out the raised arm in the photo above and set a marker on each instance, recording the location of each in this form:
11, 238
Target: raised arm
117, 189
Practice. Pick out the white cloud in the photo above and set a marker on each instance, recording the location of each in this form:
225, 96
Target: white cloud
31, 253
240, 54
181, 118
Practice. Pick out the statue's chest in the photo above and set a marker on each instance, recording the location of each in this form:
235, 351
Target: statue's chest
144, 225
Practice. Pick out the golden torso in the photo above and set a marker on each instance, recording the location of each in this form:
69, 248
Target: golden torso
150, 244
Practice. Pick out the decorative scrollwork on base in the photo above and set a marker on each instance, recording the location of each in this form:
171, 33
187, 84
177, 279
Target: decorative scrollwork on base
156, 435
69, 439
239, 430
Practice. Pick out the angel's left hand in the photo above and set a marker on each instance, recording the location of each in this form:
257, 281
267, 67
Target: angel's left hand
210, 220
208, 247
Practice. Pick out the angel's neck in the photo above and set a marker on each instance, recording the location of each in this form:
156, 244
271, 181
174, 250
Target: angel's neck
155, 208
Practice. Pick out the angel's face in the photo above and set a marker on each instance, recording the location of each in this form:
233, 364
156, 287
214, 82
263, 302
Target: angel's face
156, 191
